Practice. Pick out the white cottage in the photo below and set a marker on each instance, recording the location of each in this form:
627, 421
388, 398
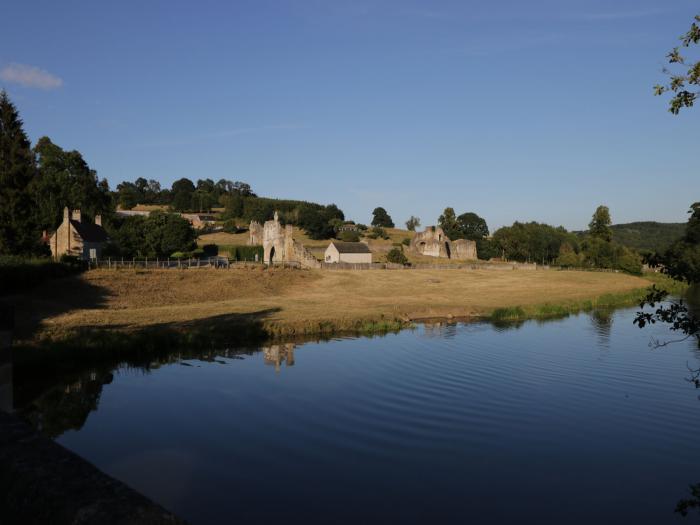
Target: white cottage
348, 252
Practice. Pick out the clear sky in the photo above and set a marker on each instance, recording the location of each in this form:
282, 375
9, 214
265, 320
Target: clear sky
536, 110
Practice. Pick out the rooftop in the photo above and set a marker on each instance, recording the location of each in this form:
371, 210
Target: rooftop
351, 247
90, 232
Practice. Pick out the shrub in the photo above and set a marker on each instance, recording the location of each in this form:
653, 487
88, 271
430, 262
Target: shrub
406, 242
230, 226
349, 236
396, 256
243, 253
378, 232
629, 262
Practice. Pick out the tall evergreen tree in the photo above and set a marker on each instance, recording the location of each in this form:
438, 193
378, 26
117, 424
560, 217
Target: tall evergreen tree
18, 231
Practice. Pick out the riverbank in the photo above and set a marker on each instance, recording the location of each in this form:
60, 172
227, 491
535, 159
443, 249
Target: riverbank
279, 303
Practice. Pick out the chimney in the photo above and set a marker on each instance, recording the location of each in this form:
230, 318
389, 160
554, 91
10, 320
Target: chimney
76, 215
66, 214
98, 220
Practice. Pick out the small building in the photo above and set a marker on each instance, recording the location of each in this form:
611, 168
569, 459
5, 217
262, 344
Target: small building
77, 238
348, 252
132, 213
198, 220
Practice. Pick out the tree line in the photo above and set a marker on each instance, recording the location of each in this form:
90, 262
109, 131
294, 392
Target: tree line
37, 183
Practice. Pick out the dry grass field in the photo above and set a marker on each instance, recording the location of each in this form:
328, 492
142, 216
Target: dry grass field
297, 301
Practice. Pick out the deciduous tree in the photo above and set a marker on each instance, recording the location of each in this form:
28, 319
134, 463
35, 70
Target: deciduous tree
65, 179
412, 223
600, 224
380, 217
472, 227
685, 80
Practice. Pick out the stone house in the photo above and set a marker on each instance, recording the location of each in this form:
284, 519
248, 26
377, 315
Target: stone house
198, 220
77, 238
348, 252
434, 243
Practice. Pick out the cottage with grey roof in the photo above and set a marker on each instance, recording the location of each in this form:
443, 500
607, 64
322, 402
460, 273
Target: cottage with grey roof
348, 252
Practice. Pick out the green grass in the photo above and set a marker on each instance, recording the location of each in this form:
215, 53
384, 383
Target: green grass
610, 300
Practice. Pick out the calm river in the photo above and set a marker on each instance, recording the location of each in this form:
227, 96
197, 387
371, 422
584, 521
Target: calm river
569, 421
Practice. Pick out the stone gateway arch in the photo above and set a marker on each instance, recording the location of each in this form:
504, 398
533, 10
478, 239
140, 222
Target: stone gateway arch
279, 245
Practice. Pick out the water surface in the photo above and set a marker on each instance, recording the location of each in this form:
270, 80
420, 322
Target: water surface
571, 421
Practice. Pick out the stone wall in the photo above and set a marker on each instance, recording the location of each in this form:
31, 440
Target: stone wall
434, 243
463, 250
279, 245
255, 234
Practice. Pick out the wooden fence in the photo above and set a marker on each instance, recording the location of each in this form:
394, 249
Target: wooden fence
183, 264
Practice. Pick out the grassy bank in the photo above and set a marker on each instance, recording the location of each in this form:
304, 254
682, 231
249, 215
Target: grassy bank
548, 310
282, 303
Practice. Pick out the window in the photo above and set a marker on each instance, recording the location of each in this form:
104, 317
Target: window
93, 253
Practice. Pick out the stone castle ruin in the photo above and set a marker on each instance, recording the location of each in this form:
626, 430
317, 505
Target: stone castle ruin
434, 243
279, 245
255, 234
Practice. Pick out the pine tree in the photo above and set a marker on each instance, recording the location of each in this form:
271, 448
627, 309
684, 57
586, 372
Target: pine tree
18, 232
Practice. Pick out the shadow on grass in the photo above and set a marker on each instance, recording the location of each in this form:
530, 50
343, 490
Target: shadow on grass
51, 298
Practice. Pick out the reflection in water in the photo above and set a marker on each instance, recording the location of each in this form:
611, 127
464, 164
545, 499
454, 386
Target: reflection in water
451, 417
602, 321
66, 407
278, 354
439, 329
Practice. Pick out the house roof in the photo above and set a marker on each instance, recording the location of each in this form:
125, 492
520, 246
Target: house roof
351, 247
90, 232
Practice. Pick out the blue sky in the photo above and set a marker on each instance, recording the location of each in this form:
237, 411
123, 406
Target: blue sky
537, 110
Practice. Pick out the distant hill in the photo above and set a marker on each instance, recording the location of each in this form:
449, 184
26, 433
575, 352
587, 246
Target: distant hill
648, 235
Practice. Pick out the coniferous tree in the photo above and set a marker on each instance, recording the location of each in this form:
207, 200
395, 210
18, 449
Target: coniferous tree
19, 234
